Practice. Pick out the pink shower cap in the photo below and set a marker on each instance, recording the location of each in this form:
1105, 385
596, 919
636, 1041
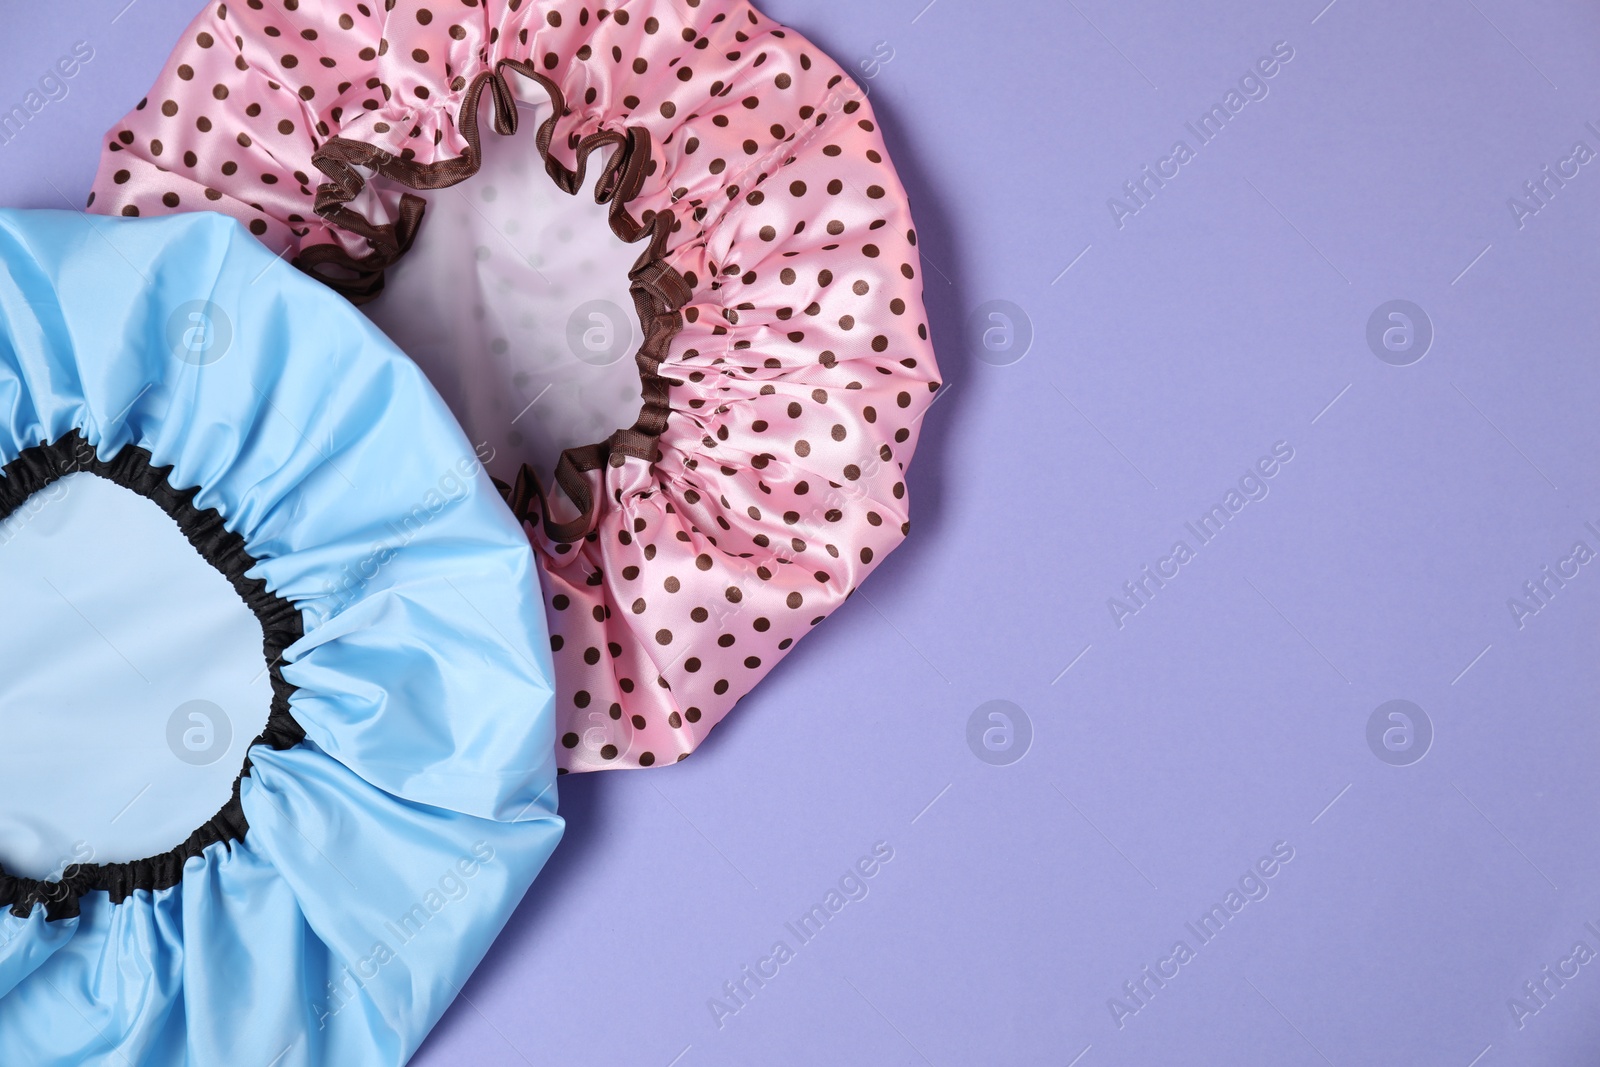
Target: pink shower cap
785, 362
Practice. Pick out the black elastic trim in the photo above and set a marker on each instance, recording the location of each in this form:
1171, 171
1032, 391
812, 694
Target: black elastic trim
36, 468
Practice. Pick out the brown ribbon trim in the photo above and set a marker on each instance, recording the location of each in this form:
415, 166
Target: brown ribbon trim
659, 291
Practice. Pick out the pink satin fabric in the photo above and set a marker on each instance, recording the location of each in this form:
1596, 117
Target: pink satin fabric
801, 365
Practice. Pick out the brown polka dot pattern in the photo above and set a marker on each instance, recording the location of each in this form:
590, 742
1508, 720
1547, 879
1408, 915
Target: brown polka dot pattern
786, 363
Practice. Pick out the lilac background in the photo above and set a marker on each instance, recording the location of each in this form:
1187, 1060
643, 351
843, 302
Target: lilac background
1231, 712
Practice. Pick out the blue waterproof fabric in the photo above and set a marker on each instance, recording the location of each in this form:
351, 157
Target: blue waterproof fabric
384, 852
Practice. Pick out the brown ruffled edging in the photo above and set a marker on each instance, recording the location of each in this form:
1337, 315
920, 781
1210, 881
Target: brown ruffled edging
281, 626
659, 291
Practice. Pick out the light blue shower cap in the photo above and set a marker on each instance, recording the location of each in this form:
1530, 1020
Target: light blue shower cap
400, 798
